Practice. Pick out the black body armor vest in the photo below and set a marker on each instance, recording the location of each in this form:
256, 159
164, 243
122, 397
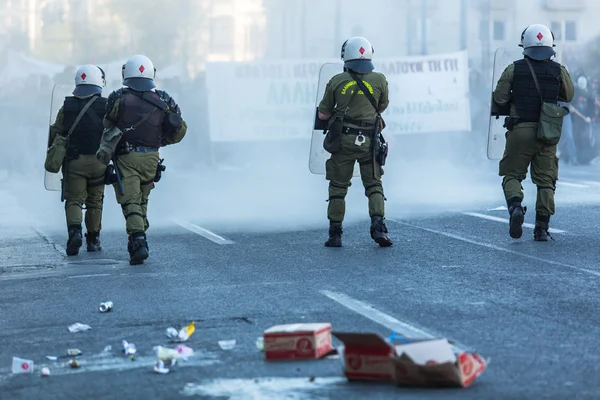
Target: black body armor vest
86, 137
133, 109
525, 96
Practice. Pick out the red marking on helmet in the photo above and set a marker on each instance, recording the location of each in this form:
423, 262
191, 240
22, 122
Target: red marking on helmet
540, 36
142, 69
361, 50
83, 76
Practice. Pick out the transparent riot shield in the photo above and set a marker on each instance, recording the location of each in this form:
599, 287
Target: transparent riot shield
318, 155
52, 181
496, 139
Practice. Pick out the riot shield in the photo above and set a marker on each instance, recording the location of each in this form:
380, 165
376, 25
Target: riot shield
318, 155
496, 131
52, 181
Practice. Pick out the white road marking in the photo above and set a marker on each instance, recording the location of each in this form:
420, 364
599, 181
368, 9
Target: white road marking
501, 208
264, 388
506, 221
575, 185
204, 233
87, 276
498, 248
395, 325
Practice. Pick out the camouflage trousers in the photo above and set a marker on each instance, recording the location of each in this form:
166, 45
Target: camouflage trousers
137, 173
339, 170
84, 186
522, 150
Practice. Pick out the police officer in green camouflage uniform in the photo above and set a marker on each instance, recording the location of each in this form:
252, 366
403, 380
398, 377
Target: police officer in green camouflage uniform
149, 119
343, 100
516, 88
84, 180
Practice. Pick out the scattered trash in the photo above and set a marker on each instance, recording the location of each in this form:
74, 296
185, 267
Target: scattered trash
129, 349
312, 379
166, 354
106, 349
45, 371
297, 341
74, 364
79, 327
22, 366
396, 337
184, 333
184, 351
423, 362
227, 344
70, 353
260, 343
73, 352
106, 306
160, 368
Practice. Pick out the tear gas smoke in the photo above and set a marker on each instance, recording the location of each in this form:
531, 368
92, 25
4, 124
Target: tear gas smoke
253, 185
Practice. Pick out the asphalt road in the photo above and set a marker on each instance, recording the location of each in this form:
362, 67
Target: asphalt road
453, 272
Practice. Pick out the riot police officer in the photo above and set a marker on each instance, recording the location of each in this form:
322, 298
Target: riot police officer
148, 119
80, 120
517, 89
352, 111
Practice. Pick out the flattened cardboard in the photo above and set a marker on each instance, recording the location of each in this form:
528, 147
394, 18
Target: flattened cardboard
460, 374
297, 341
368, 356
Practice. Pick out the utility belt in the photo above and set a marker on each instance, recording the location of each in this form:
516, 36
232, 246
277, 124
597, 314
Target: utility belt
511, 122
142, 149
346, 130
126, 147
362, 124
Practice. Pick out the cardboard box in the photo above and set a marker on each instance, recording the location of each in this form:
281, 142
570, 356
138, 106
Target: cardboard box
366, 356
420, 362
297, 341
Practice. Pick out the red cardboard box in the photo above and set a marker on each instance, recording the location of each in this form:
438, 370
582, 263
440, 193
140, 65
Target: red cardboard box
297, 341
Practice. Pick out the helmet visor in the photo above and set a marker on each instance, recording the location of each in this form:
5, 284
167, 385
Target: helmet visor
360, 66
539, 53
86, 90
139, 84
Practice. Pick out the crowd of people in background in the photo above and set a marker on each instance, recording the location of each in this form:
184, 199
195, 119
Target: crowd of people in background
579, 144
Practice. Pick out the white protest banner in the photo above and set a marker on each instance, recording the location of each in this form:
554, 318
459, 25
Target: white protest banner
275, 100
428, 94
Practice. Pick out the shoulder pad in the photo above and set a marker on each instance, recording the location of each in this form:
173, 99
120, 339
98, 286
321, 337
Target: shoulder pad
112, 98
164, 96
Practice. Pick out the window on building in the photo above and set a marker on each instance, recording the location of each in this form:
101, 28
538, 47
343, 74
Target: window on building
499, 30
556, 28
221, 35
570, 30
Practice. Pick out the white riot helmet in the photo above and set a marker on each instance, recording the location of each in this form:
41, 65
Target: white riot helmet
357, 54
138, 73
89, 80
538, 42
582, 82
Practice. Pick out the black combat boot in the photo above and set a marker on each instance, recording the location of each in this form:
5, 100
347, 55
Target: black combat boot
542, 224
93, 241
75, 241
379, 232
335, 235
138, 248
517, 218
